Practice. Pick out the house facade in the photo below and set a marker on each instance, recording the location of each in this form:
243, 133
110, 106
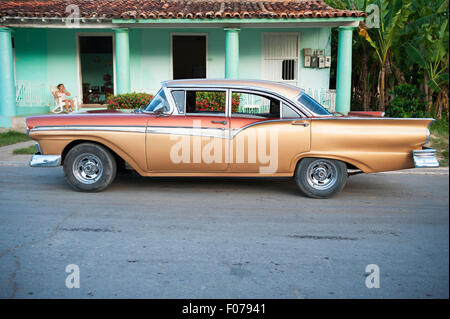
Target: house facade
100, 47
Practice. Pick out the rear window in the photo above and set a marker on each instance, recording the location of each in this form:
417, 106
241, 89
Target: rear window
312, 105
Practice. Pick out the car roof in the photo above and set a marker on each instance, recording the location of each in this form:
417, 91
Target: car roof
287, 90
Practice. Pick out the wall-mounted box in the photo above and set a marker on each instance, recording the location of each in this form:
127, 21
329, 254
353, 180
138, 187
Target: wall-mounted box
307, 62
314, 61
321, 61
307, 52
328, 61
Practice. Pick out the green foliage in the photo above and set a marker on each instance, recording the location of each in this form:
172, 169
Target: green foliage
128, 101
12, 137
440, 127
30, 150
407, 102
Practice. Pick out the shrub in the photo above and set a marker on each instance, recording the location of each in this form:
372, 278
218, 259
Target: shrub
215, 101
407, 102
128, 101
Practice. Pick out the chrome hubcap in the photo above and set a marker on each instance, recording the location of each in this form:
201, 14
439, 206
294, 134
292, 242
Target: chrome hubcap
87, 168
321, 174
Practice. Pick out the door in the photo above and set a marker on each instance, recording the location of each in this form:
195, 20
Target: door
188, 56
96, 63
195, 140
267, 134
280, 54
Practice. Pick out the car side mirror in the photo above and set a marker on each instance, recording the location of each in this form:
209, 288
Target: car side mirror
159, 109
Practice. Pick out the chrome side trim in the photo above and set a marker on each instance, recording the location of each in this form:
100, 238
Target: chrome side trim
425, 157
208, 131
191, 131
368, 118
38, 160
237, 131
135, 129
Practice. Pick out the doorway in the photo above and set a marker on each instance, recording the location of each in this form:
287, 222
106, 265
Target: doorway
189, 56
96, 63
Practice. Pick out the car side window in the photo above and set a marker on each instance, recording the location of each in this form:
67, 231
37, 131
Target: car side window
254, 105
179, 98
288, 113
206, 102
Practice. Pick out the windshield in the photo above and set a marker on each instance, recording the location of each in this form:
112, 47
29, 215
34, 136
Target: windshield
158, 103
312, 105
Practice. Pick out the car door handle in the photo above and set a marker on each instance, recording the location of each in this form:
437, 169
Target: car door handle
219, 122
302, 123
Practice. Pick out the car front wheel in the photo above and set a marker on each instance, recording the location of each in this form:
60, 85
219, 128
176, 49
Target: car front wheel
320, 177
89, 167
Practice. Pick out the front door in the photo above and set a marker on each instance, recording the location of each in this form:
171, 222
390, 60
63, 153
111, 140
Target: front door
196, 140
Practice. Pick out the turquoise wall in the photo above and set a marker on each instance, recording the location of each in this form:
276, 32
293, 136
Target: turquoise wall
49, 56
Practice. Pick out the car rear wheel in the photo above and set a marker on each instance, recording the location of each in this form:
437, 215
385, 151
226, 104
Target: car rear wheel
320, 177
89, 167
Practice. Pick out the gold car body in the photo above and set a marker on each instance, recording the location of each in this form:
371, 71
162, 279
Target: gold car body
146, 141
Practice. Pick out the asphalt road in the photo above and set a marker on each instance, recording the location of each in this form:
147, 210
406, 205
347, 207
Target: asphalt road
222, 238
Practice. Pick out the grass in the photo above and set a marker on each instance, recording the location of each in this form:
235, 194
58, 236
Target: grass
439, 140
30, 150
12, 137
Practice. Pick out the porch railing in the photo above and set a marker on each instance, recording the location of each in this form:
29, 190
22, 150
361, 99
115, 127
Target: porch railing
33, 94
325, 97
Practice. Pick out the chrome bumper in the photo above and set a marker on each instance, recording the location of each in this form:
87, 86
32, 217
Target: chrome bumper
38, 160
425, 157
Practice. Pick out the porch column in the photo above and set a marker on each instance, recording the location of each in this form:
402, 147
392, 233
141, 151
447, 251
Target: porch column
231, 53
7, 85
122, 41
344, 70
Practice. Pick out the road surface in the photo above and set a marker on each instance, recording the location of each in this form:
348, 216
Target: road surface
222, 238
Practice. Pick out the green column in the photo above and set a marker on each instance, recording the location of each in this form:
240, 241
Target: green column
344, 70
7, 85
231, 53
122, 61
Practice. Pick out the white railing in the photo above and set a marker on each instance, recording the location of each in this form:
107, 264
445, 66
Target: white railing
325, 97
30, 94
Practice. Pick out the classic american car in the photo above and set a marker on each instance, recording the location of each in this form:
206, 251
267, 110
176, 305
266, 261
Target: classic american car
203, 127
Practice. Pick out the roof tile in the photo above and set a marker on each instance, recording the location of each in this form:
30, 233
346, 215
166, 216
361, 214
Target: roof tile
176, 9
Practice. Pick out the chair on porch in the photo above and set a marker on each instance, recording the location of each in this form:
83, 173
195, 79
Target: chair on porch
58, 105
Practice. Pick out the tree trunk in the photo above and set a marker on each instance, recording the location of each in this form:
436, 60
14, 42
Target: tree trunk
382, 88
426, 90
439, 106
364, 78
398, 74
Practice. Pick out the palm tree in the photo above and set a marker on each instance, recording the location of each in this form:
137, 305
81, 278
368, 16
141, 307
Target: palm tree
393, 17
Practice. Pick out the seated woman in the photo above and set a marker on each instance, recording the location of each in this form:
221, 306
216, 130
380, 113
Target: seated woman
61, 95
